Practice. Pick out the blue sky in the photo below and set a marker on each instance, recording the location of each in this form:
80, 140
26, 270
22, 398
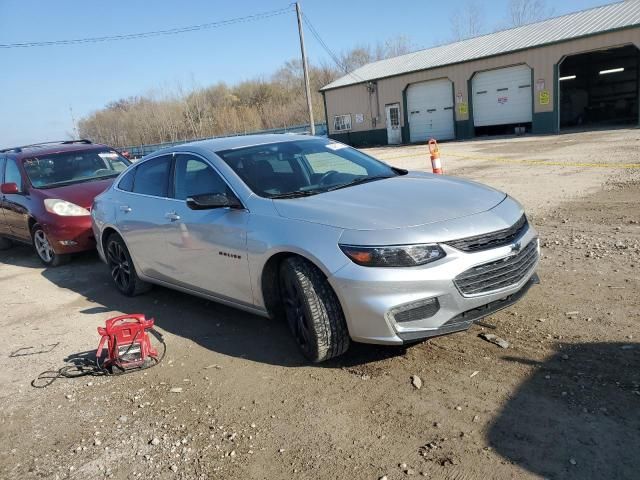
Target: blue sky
39, 85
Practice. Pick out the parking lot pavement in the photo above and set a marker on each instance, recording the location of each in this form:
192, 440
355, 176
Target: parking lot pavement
572, 165
561, 402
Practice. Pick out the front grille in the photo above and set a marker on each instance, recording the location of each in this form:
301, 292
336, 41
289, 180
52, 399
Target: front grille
491, 240
498, 274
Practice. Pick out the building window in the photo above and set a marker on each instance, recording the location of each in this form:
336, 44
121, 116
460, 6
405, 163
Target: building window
394, 116
342, 122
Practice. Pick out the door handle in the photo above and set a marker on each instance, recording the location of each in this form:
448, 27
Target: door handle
125, 208
173, 216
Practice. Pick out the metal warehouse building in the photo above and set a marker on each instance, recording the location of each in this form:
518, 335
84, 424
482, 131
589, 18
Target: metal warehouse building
577, 70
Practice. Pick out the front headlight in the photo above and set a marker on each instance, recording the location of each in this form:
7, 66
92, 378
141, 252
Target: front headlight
393, 256
64, 208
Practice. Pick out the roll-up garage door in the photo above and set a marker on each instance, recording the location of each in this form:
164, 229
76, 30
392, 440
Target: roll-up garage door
430, 108
502, 96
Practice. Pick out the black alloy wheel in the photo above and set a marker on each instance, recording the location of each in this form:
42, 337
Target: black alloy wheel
119, 266
123, 271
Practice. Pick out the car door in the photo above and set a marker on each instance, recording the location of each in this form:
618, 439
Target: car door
140, 215
207, 248
15, 206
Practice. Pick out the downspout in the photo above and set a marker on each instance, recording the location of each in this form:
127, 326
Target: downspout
406, 137
377, 104
638, 81
326, 115
556, 95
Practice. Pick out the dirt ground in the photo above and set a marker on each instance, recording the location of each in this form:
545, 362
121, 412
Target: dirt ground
563, 401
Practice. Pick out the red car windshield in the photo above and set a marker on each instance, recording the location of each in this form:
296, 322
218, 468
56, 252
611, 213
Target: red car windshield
68, 168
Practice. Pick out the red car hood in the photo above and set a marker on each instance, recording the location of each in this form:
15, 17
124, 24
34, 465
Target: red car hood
82, 194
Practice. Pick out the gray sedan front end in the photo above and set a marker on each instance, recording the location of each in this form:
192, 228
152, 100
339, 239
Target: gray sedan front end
399, 305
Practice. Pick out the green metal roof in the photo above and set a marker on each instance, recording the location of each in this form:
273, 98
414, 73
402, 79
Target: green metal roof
567, 27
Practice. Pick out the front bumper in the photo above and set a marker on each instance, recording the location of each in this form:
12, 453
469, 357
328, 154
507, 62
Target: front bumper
370, 295
464, 320
69, 234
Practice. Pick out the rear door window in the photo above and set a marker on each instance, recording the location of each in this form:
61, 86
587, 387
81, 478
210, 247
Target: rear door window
126, 182
152, 177
2, 162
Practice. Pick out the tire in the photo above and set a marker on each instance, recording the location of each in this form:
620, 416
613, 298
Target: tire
312, 310
5, 244
123, 272
44, 250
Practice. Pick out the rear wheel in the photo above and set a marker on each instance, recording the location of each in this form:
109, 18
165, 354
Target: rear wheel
312, 310
123, 272
45, 251
5, 243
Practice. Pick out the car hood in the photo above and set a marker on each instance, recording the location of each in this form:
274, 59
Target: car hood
399, 202
82, 194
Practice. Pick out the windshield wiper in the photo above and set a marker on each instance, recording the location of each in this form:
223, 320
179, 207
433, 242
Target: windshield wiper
296, 194
75, 181
359, 181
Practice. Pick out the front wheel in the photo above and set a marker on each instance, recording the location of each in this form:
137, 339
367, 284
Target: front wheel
45, 251
312, 310
123, 272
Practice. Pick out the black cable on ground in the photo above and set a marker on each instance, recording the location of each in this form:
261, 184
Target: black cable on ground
82, 367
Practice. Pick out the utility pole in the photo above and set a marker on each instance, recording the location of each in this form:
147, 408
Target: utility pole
73, 121
305, 69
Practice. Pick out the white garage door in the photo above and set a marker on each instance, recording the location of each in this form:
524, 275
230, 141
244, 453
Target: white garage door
430, 107
502, 97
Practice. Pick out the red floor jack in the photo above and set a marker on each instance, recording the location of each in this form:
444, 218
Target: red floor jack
128, 343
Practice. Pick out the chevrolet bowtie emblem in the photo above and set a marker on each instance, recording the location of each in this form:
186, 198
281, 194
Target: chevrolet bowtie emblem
516, 247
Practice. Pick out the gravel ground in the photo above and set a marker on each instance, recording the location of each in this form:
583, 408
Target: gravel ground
234, 399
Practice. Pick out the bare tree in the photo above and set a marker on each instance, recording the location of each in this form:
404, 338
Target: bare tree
172, 112
356, 58
363, 54
393, 47
522, 12
467, 22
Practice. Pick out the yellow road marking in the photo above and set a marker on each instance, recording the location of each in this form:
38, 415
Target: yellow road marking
544, 163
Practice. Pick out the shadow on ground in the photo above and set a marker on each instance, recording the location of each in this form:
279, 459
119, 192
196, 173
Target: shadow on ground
214, 326
577, 416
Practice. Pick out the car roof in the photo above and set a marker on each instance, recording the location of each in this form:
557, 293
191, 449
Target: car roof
49, 148
227, 143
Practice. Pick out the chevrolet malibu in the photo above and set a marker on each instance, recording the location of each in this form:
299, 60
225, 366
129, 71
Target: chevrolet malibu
340, 244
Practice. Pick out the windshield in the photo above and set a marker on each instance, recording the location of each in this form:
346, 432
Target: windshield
303, 167
68, 168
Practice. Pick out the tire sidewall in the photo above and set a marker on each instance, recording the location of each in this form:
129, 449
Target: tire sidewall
311, 351
327, 332
136, 285
56, 259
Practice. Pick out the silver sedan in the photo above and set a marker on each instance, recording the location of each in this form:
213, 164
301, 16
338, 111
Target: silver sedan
342, 246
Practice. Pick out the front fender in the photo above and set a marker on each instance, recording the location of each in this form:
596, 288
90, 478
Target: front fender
269, 236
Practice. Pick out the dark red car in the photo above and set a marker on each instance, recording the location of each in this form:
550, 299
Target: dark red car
46, 193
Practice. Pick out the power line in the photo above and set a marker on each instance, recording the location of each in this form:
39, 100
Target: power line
314, 32
156, 33
326, 48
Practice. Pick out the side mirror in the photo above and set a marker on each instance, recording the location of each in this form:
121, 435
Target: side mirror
210, 201
9, 188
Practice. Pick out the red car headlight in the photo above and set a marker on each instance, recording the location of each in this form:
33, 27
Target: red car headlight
64, 208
